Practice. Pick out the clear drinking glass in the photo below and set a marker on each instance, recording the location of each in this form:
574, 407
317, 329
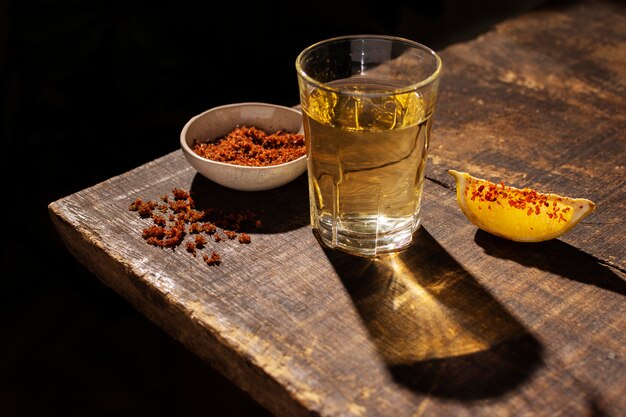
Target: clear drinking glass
367, 104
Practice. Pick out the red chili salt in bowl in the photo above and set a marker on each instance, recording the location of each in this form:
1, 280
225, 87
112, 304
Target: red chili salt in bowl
219, 121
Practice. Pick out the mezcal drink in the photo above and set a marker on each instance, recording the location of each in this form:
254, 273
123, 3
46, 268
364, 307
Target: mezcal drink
367, 106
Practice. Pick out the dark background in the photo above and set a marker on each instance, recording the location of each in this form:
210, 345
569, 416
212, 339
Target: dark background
91, 89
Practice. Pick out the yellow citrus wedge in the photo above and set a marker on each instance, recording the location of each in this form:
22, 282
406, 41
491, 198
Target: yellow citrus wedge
523, 215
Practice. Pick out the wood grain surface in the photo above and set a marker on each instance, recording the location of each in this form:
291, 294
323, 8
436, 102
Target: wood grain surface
461, 324
540, 101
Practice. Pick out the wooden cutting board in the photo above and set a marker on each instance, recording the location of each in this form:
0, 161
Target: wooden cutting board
462, 323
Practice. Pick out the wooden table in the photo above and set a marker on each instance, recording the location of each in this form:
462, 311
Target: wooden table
463, 323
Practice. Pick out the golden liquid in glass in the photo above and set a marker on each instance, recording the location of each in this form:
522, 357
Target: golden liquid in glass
366, 159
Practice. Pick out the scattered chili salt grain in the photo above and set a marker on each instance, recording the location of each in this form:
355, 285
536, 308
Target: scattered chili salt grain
244, 238
493, 192
183, 218
209, 228
158, 220
191, 248
214, 259
154, 231
525, 199
171, 237
145, 209
196, 215
195, 228
179, 206
250, 146
200, 241
180, 194
134, 206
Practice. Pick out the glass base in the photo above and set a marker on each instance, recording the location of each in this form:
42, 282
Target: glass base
368, 236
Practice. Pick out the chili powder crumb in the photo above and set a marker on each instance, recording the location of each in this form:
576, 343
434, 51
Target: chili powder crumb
209, 228
527, 199
143, 208
195, 227
244, 238
158, 220
230, 234
180, 194
179, 218
200, 241
214, 259
191, 248
134, 206
249, 146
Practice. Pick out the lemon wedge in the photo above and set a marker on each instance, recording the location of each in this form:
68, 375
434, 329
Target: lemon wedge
522, 215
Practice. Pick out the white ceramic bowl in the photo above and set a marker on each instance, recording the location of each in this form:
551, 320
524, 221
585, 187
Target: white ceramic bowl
219, 121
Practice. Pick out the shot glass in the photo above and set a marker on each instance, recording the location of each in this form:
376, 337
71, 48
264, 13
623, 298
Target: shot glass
367, 106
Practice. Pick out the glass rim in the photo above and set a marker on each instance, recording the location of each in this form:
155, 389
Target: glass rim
411, 87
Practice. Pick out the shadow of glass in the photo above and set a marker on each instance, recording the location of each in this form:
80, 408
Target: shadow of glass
555, 257
280, 210
437, 329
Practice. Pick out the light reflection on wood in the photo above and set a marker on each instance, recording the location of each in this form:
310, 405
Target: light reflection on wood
421, 304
